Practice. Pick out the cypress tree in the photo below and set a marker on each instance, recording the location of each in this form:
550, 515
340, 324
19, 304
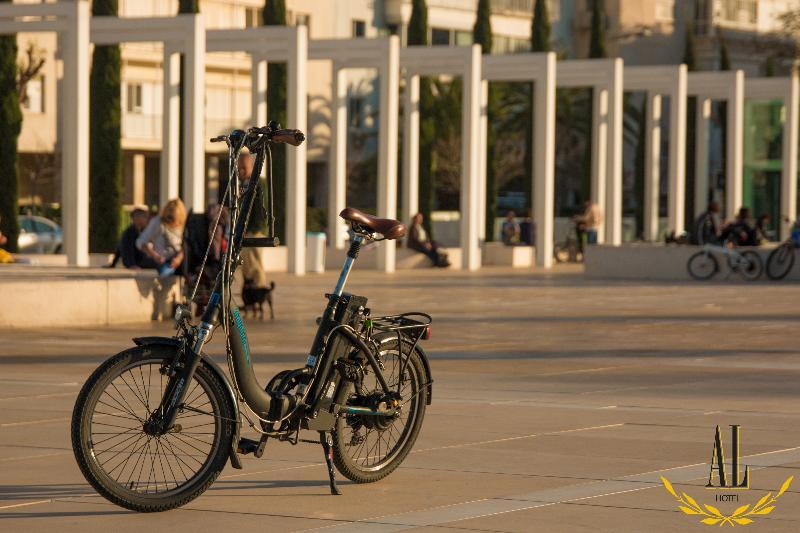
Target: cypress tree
769, 67
689, 49
184, 7
597, 42
10, 124
418, 36
482, 30
274, 14
482, 35
105, 149
724, 56
540, 27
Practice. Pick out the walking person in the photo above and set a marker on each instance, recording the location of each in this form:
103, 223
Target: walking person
162, 239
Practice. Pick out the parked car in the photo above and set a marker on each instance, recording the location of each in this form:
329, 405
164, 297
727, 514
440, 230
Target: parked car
38, 235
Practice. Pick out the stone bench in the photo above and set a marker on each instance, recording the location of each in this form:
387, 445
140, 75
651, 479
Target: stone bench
63, 296
498, 254
405, 259
644, 261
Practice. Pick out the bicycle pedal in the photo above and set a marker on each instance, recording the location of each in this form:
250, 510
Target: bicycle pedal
248, 446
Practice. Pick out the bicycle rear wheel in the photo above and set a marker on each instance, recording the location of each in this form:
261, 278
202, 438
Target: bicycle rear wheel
368, 448
780, 261
702, 266
141, 471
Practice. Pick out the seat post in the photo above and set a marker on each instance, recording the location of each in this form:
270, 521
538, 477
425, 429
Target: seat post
352, 254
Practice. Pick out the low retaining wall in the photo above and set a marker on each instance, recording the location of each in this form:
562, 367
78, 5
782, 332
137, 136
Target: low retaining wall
405, 259
40, 296
659, 262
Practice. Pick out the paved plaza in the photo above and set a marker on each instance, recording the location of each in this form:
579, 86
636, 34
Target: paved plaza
558, 403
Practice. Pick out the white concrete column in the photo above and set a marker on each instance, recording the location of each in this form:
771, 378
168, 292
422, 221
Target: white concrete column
258, 92
544, 149
170, 124
193, 156
75, 136
599, 152
702, 121
337, 170
470, 160
137, 178
676, 197
735, 140
652, 166
483, 169
389, 73
791, 104
614, 173
296, 156
410, 148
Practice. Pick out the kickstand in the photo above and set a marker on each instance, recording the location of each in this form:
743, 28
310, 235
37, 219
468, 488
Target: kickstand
327, 446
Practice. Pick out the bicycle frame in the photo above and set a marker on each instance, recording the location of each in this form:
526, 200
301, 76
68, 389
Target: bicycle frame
319, 380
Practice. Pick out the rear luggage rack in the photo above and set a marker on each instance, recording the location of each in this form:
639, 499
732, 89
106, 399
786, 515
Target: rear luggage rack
412, 324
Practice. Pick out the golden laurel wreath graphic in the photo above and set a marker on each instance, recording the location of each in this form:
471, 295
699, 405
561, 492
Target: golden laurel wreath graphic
741, 515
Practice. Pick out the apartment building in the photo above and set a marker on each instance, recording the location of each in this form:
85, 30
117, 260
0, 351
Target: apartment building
228, 84
653, 31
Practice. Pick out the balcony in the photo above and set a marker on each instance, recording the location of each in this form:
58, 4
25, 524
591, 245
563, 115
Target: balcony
141, 127
511, 7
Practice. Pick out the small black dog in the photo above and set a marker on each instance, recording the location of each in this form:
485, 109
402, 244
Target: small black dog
254, 298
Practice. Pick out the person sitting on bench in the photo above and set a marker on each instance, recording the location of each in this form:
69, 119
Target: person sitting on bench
418, 240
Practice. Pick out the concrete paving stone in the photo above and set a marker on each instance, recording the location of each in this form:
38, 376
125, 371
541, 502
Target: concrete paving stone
523, 363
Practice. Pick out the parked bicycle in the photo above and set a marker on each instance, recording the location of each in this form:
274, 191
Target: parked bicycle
154, 425
781, 260
704, 265
569, 250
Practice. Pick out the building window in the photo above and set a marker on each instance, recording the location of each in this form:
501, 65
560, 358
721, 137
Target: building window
252, 17
741, 11
134, 98
440, 37
665, 10
34, 96
463, 38
359, 28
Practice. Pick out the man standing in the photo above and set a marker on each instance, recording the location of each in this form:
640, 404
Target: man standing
588, 223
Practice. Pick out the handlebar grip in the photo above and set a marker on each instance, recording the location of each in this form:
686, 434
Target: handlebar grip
293, 137
219, 138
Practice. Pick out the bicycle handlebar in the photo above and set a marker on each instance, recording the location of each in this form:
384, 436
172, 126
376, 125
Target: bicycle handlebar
287, 136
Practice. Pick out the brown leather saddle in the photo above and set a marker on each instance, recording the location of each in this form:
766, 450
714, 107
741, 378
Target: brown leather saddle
389, 228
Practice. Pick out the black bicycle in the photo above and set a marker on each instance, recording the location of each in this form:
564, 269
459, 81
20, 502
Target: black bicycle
154, 425
781, 260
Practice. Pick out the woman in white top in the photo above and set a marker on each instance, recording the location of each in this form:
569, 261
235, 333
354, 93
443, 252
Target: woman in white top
162, 239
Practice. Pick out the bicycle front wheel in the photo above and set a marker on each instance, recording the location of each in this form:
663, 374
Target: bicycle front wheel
702, 266
136, 469
780, 261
